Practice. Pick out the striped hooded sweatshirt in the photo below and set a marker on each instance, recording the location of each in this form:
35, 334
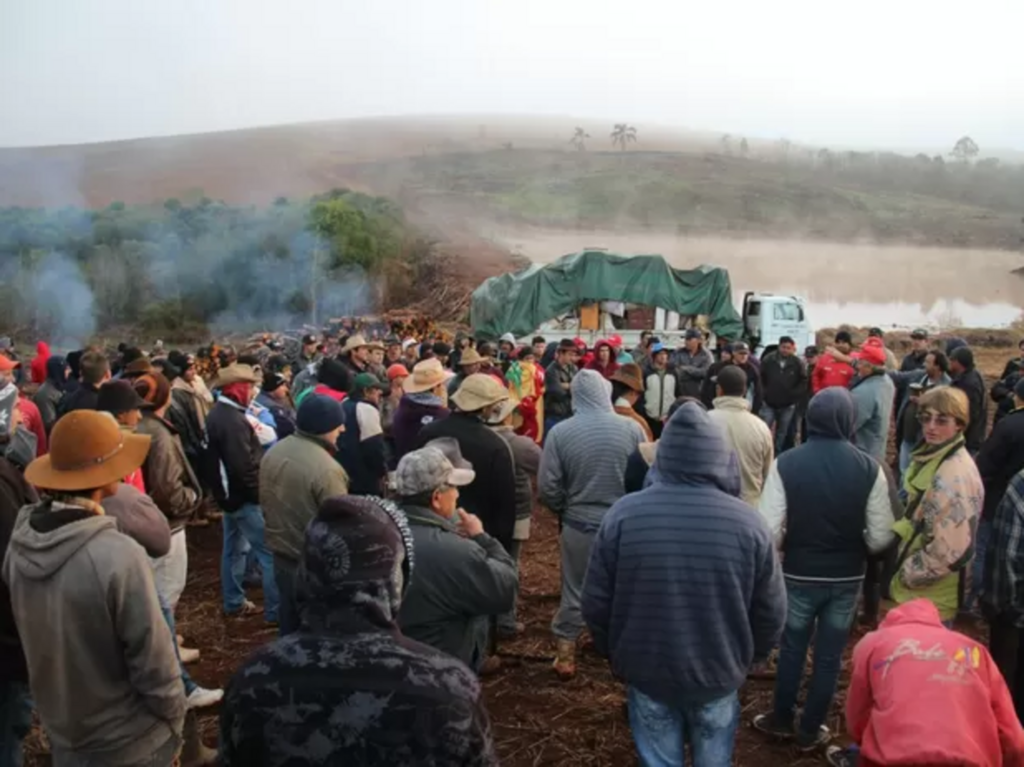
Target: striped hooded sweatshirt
683, 589
584, 464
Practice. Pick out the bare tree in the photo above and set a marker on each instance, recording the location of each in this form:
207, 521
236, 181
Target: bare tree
725, 142
965, 150
784, 146
579, 138
622, 135
744, 148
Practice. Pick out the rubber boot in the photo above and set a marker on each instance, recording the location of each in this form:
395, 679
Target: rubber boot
195, 753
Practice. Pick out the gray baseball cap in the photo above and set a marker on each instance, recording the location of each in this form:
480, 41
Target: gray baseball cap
428, 468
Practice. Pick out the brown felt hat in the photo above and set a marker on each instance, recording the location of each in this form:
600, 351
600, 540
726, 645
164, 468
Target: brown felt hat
630, 375
154, 388
138, 367
235, 373
87, 450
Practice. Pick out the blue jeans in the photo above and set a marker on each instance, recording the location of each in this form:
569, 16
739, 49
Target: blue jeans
781, 417
825, 610
661, 732
15, 720
286, 573
246, 524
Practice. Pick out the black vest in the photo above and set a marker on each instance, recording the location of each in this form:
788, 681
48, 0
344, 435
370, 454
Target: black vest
827, 483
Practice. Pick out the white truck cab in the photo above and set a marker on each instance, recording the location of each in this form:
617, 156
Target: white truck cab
767, 318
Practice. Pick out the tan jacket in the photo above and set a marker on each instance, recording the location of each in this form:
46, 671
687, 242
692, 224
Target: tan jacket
751, 439
623, 408
170, 481
296, 475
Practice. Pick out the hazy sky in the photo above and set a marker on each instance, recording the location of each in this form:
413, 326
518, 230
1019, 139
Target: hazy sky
896, 73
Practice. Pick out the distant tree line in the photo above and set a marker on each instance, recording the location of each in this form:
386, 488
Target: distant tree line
176, 266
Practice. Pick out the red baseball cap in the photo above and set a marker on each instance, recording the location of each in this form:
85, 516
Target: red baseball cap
397, 371
873, 354
7, 364
616, 341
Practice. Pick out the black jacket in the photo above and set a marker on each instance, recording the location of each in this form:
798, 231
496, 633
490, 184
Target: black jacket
364, 458
85, 397
235, 446
557, 394
492, 495
1001, 456
15, 492
784, 379
458, 584
973, 385
755, 392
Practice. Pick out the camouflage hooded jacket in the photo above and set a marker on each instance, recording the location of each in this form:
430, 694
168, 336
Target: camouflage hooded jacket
348, 688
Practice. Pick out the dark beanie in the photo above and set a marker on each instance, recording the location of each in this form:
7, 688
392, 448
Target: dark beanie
964, 356
334, 375
273, 381
319, 414
1019, 388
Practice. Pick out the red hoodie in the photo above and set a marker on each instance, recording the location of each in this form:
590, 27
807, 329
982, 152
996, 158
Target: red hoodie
921, 694
37, 370
595, 363
829, 371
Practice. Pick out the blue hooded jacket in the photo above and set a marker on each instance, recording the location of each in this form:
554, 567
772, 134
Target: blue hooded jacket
683, 590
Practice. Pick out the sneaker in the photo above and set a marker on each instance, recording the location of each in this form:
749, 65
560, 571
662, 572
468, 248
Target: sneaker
766, 724
565, 659
841, 757
812, 743
248, 608
188, 654
203, 698
511, 630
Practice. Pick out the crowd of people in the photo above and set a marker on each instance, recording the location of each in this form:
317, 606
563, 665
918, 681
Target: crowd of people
716, 509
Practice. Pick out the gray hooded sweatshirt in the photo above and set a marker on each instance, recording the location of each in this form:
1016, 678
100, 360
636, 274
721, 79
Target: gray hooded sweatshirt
100, 656
584, 463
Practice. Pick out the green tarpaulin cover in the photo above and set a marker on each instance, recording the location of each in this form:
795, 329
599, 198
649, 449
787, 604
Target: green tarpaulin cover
519, 303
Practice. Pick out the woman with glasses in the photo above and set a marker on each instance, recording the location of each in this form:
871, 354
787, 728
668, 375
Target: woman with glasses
944, 498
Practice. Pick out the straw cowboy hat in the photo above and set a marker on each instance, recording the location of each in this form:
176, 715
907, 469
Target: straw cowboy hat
630, 375
234, 373
507, 406
470, 357
426, 376
87, 450
358, 342
477, 392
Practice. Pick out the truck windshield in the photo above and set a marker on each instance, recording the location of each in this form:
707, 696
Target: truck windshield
789, 312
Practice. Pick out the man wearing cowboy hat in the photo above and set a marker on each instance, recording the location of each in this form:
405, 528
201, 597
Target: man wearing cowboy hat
356, 354
627, 389
492, 496
236, 449
470, 363
104, 676
424, 402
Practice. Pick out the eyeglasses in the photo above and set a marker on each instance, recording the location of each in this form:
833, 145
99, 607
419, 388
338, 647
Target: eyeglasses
939, 420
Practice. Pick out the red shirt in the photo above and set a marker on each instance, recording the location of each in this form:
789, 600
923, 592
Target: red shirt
32, 420
922, 694
828, 371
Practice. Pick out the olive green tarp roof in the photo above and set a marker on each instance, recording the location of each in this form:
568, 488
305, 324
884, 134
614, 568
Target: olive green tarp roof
519, 303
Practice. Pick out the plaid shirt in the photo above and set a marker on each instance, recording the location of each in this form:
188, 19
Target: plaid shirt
1004, 566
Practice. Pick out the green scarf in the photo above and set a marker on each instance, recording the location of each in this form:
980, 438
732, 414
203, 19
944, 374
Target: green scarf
925, 461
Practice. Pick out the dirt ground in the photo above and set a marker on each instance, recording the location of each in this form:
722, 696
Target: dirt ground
536, 719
